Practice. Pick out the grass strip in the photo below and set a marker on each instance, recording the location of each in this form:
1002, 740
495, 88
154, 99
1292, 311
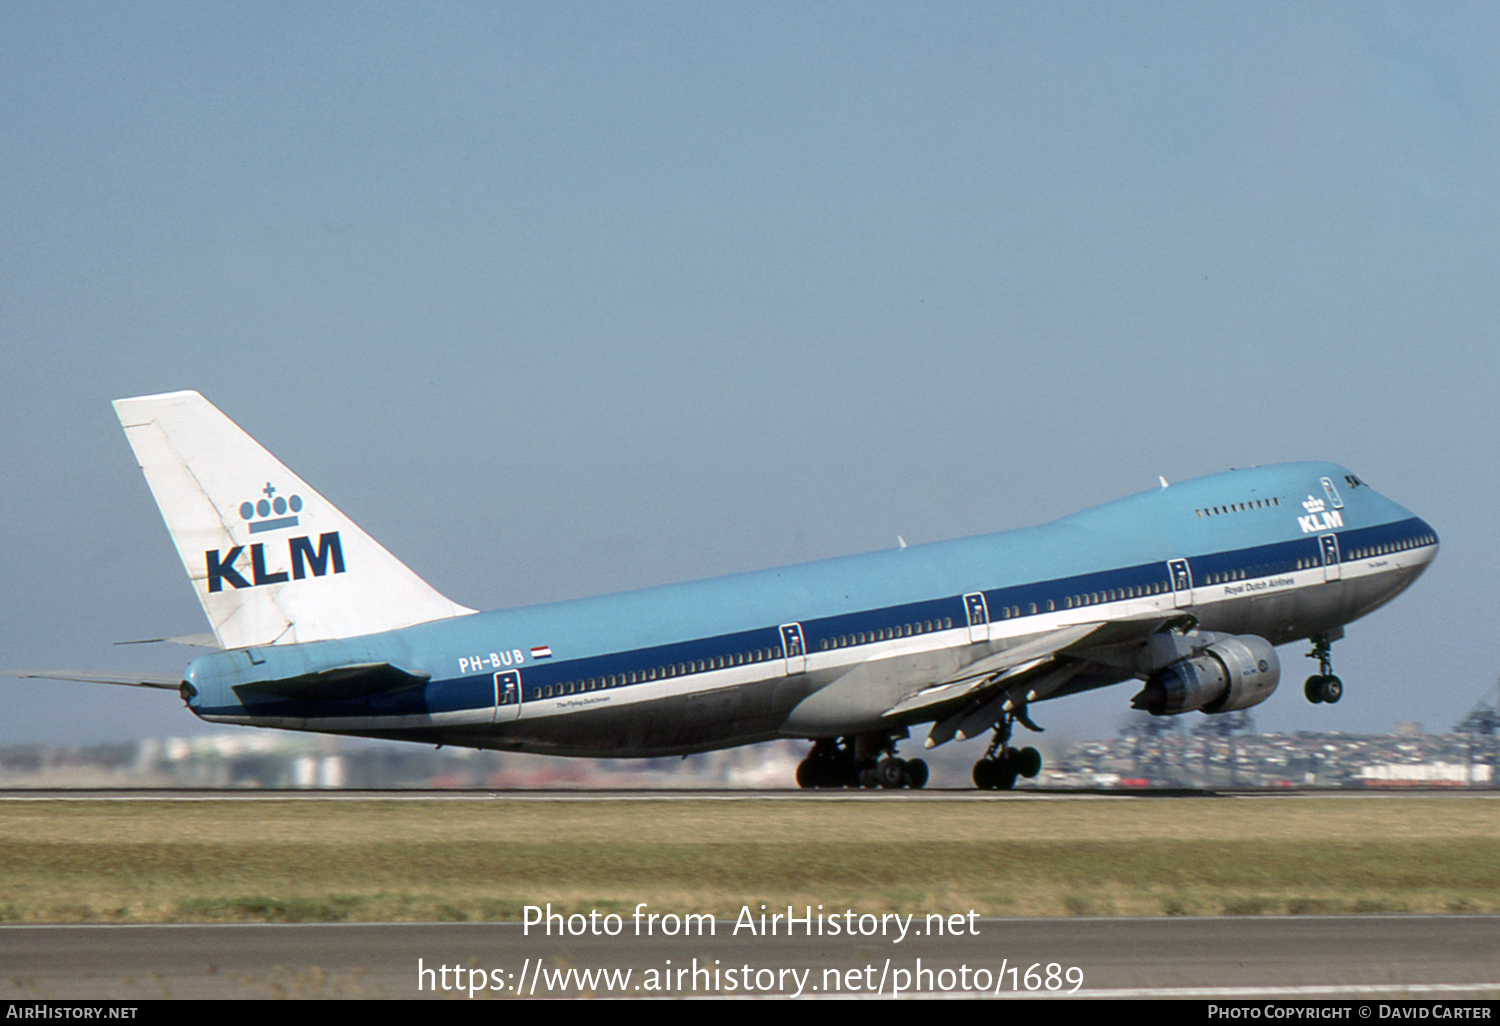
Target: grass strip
309, 861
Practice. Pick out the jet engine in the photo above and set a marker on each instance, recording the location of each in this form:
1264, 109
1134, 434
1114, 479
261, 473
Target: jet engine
1231, 673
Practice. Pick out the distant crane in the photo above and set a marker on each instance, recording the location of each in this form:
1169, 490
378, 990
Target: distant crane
1224, 727
1152, 736
1483, 721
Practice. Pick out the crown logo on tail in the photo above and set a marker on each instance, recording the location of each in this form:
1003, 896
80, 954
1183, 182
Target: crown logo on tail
271, 504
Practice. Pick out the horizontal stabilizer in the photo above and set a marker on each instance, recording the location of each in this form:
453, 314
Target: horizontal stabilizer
195, 640
357, 680
171, 682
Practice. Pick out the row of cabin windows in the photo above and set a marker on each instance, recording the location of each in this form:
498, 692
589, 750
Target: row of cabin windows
887, 633
615, 680
1400, 546
1363, 552
1209, 511
1093, 598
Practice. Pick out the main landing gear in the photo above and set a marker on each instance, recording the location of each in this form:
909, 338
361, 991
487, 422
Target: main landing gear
1001, 764
1323, 686
864, 761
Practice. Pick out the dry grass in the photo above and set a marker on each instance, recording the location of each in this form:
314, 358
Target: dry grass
376, 860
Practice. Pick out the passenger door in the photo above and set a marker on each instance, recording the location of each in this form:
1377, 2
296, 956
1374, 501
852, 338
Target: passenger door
792, 646
1182, 582
978, 617
507, 696
1330, 547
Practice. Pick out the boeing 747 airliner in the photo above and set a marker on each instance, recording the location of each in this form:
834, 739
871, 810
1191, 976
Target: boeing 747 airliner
1186, 589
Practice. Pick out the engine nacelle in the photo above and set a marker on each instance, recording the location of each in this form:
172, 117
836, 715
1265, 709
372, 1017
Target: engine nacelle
1230, 674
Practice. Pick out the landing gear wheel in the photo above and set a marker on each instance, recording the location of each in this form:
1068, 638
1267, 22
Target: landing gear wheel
892, 773
984, 772
1313, 689
860, 760
1005, 774
807, 774
916, 774
829, 764
995, 774
1028, 762
1323, 688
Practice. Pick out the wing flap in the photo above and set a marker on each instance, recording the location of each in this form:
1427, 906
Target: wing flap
985, 673
942, 694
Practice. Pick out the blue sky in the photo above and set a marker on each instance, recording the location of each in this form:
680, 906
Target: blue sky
559, 299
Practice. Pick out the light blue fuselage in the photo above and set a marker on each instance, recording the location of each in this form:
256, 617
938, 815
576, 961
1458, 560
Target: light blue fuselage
826, 649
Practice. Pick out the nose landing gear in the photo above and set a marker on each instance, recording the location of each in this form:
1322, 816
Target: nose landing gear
1323, 686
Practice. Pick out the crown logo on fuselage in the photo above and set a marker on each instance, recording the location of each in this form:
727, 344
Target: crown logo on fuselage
271, 504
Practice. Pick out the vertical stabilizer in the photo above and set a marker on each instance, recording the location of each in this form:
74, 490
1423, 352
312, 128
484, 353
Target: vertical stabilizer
272, 561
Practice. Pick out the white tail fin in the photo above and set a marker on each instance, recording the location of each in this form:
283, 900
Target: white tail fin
272, 561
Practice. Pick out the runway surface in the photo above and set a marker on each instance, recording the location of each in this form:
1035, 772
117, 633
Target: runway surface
1359, 957
726, 795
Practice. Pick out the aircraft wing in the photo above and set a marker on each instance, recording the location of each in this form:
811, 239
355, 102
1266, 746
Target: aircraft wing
170, 682
975, 697
985, 673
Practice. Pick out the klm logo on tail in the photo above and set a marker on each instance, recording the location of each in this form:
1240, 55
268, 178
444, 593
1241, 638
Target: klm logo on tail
273, 513
299, 551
